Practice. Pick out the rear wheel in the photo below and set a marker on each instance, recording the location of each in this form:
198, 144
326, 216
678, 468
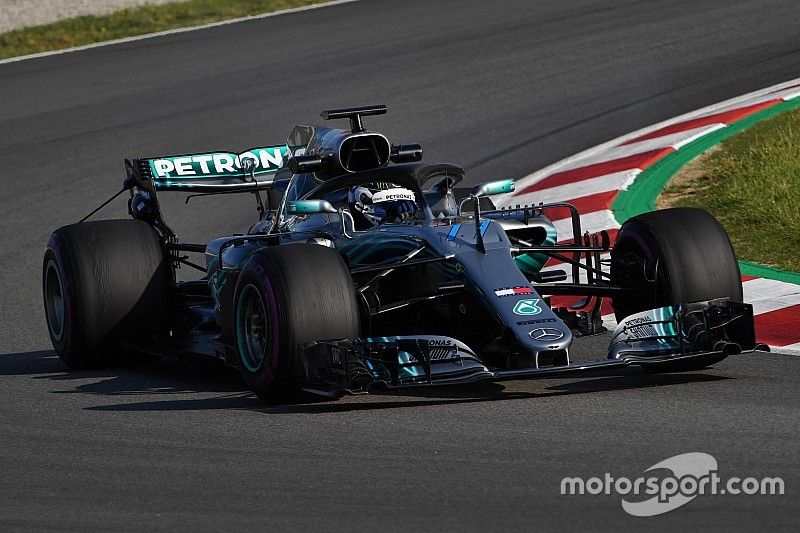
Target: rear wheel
286, 297
671, 257
101, 280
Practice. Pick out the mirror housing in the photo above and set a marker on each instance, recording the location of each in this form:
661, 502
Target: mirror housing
406, 153
300, 164
490, 188
310, 207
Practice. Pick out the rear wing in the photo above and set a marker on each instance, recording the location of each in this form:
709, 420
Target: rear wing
211, 171
220, 172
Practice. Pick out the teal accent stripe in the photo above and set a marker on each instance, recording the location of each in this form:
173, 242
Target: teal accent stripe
484, 227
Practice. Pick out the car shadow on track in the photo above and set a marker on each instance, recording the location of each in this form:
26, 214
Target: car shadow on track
170, 385
156, 379
30, 363
493, 392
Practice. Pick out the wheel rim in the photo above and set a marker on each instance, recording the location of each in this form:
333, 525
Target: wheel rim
55, 306
253, 329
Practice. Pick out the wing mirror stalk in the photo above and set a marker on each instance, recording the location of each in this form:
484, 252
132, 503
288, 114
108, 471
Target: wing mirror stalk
490, 188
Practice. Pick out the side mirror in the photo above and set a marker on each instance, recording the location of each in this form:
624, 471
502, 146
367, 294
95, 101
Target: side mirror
494, 187
300, 164
406, 153
309, 207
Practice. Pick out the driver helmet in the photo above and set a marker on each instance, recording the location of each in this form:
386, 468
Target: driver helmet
373, 202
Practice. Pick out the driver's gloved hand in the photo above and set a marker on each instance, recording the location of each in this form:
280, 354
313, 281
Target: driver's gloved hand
401, 211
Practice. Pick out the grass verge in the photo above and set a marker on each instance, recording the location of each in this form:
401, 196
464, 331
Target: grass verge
134, 21
751, 183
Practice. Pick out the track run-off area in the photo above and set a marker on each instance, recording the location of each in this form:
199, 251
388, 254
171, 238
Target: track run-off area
503, 89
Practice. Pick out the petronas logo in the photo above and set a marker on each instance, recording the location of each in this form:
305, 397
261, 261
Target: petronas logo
527, 307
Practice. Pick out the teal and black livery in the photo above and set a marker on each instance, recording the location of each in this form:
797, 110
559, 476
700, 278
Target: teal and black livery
447, 291
215, 171
375, 247
532, 263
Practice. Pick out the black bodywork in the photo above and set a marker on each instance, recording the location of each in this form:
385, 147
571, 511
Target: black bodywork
439, 295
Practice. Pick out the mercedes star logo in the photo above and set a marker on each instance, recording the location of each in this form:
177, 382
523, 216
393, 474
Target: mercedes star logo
546, 334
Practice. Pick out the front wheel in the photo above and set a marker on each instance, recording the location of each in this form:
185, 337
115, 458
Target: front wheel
287, 297
672, 257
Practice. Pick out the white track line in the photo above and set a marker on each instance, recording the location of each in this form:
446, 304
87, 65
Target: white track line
791, 349
674, 140
781, 94
770, 295
591, 222
610, 182
609, 321
176, 30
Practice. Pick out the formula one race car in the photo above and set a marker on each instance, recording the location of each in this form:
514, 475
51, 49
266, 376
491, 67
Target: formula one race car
362, 275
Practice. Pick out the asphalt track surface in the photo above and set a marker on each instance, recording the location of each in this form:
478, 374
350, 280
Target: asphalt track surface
501, 88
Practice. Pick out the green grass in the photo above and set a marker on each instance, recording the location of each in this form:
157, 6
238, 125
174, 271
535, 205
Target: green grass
134, 21
752, 185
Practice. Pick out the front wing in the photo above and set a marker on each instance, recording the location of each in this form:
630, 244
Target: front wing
703, 332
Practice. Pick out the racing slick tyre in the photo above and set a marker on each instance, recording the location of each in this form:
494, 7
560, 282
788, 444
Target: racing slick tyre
100, 280
287, 296
673, 256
